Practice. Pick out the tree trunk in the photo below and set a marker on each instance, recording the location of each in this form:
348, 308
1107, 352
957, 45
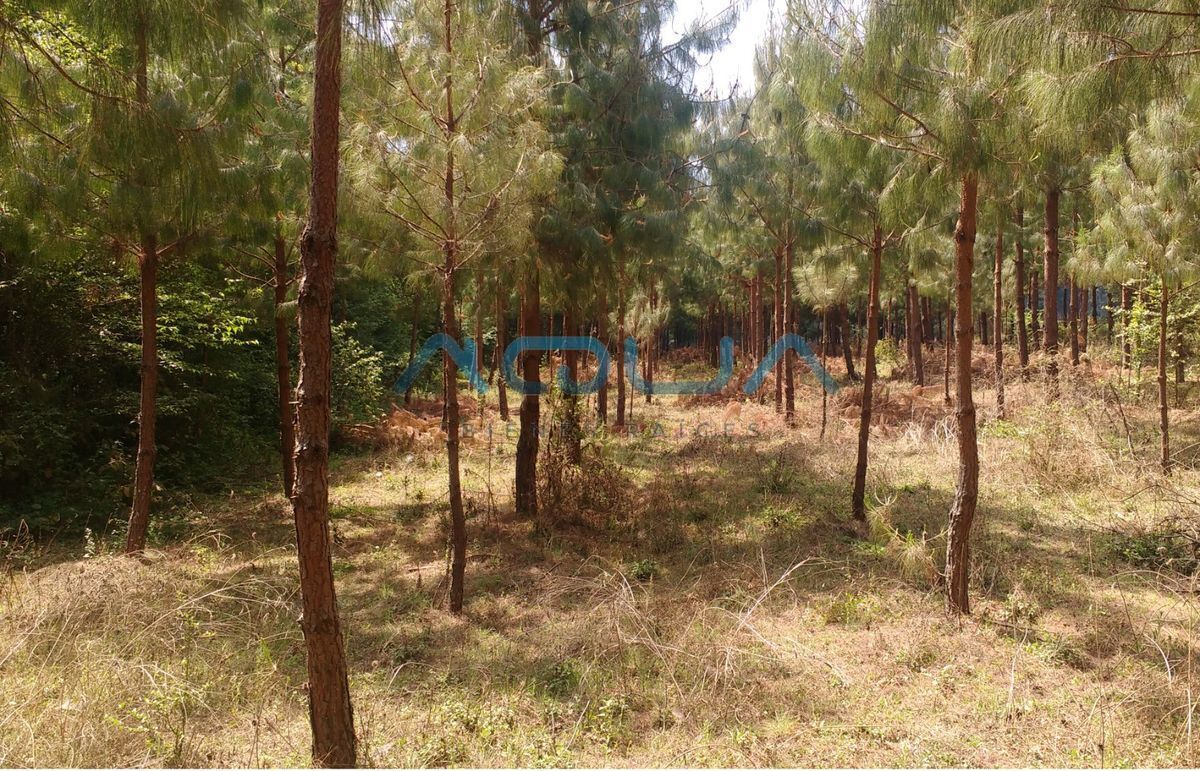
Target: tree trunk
620, 347
789, 315
1050, 336
1163, 361
753, 319
283, 367
927, 323
571, 425
966, 495
1084, 313
531, 373
1019, 294
647, 355
1073, 320
147, 448
501, 345
747, 330
651, 338
328, 687
825, 365
916, 356
778, 330
479, 295
1035, 330
847, 352
998, 331
764, 320
147, 452
1126, 342
864, 422
458, 519
602, 332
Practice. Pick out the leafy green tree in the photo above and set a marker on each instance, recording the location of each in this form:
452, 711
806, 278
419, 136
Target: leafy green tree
624, 118
144, 104
919, 88
262, 221
454, 149
855, 174
1148, 221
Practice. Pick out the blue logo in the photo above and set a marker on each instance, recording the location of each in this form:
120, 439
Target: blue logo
464, 357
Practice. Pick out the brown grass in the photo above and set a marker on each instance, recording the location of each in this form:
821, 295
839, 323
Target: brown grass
700, 599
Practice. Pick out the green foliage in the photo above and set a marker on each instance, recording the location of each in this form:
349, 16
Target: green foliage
377, 311
887, 355
357, 379
1156, 551
782, 517
561, 679
643, 570
852, 609
69, 378
778, 477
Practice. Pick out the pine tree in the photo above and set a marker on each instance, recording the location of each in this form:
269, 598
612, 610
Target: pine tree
922, 90
330, 713
454, 150
262, 221
138, 162
760, 164
855, 172
1146, 196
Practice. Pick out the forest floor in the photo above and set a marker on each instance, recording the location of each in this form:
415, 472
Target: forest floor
696, 596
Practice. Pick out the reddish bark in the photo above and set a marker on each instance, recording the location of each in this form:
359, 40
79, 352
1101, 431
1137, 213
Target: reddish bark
283, 367
966, 496
330, 713
859, 497
1050, 332
528, 440
998, 331
1019, 294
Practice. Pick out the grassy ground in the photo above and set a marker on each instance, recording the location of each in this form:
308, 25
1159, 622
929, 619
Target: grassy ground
697, 596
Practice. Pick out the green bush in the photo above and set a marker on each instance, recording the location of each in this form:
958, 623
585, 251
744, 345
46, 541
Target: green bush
358, 390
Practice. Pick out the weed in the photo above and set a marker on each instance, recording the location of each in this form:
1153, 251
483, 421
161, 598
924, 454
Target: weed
643, 570
777, 476
852, 608
1155, 551
1021, 609
608, 720
781, 517
561, 679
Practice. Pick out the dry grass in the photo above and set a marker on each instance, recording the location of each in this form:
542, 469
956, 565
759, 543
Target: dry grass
700, 600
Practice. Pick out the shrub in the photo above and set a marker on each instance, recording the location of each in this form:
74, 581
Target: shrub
357, 379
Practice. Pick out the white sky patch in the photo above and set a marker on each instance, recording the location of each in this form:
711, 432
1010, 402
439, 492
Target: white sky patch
733, 66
